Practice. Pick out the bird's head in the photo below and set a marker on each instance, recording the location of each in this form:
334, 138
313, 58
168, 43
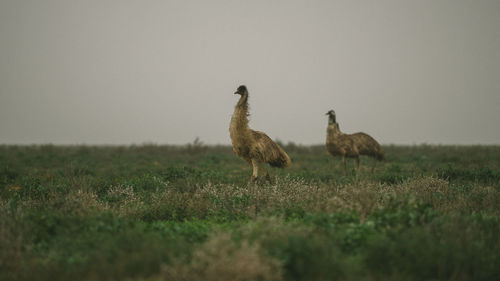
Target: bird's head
331, 116
330, 113
241, 90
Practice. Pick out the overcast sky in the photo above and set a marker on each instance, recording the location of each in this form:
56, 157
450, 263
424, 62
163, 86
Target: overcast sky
123, 72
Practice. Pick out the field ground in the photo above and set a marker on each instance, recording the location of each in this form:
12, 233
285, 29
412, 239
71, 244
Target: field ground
186, 213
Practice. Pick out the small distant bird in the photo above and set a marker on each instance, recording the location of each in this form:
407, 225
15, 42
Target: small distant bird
253, 146
350, 145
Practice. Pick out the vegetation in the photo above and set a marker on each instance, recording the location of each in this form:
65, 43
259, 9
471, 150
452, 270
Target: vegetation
186, 213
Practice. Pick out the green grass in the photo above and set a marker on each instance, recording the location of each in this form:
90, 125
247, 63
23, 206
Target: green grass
187, 213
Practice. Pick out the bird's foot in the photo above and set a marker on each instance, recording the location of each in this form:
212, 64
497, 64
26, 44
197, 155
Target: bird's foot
268, 179
253, 179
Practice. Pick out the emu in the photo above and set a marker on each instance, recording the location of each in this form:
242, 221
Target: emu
255, 147
350, 145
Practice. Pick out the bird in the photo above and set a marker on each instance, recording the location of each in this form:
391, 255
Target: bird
350, 145
255, 147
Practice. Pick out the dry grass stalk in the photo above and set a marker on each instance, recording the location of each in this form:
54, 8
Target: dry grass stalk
220, 258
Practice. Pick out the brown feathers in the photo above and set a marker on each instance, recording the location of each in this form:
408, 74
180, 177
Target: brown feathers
270, 152
350, 145
254, 147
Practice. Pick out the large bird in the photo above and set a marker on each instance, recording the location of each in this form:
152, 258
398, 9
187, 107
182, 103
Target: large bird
350, 145
255, 147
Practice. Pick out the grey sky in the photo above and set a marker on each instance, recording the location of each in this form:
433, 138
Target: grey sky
122, 72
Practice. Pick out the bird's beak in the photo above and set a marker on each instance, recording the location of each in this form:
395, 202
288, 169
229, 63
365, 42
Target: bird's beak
236, 93
328, 113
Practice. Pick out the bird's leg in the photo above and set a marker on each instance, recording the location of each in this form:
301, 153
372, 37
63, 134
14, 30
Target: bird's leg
255, 174
265, 173
343, 163
357, 162
374, 164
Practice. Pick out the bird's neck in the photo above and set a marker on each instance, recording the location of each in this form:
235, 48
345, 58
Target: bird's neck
243, 102
239, 121
333, 129
331, 119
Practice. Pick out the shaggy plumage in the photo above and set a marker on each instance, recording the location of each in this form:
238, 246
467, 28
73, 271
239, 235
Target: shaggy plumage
350, 145
253, 146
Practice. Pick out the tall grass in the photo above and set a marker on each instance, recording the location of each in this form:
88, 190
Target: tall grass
187, 213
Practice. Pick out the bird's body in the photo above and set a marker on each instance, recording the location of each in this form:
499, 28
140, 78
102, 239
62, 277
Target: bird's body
255, 147
350, 145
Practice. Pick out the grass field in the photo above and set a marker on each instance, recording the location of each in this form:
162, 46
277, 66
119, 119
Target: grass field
186, 213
